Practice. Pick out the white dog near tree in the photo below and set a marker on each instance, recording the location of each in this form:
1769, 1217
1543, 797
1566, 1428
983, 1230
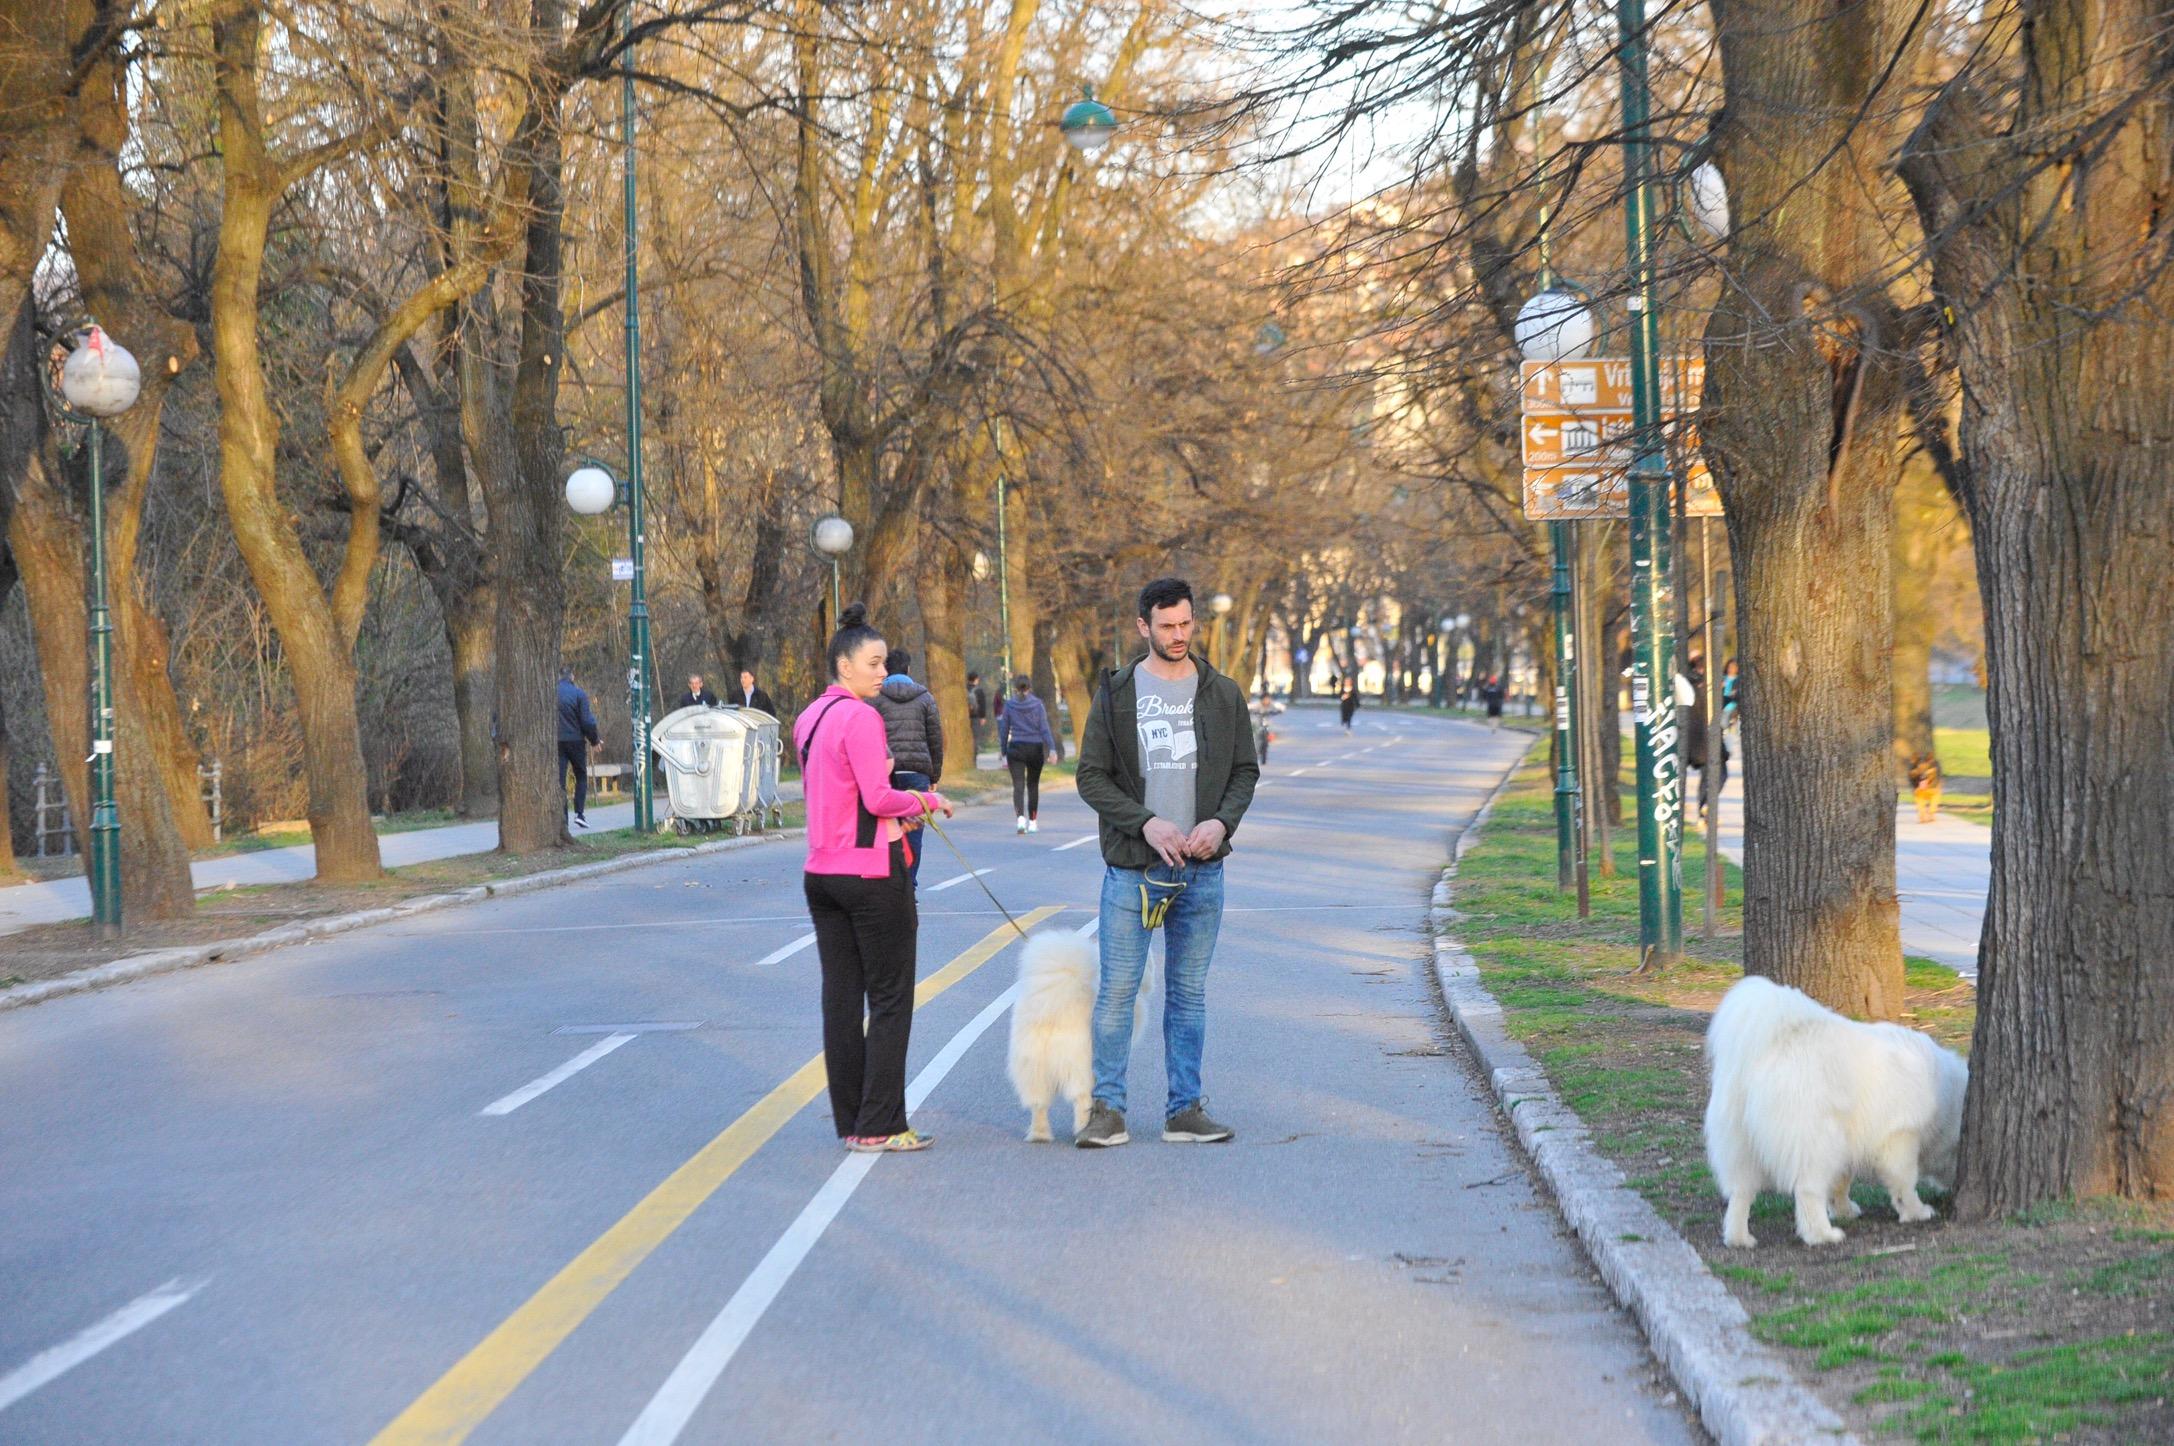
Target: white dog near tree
1804, 1099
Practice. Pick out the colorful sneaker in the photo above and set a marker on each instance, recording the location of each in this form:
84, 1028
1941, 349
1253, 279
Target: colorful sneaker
1191, 1126
904, 1142
1105, 1127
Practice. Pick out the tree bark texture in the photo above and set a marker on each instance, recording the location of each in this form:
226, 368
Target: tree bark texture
1804, 398
523, 497
319, 659
2048, 204
942, 593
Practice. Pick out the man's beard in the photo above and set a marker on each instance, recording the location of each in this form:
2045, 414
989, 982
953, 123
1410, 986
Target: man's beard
1164, 653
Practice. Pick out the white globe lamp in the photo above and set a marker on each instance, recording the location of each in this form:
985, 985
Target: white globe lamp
834, 537
591, 491
1709, 200
1555, 325
100, 378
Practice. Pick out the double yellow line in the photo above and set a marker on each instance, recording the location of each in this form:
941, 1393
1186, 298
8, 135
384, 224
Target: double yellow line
488, 1374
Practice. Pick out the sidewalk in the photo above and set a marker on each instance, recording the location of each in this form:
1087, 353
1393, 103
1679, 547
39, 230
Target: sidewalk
1942, 871
25, 906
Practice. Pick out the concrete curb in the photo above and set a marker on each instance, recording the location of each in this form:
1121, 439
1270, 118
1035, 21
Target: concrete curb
1744, 1393
167, 961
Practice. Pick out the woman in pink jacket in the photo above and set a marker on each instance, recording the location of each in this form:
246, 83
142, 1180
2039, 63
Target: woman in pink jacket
859, 894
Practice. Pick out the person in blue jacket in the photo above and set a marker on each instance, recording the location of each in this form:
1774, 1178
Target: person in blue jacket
577, 727
1023, 736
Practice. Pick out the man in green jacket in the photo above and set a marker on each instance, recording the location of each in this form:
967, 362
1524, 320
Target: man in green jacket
1167, 765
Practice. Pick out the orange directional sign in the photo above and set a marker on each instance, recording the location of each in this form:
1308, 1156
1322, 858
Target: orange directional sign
1578, 435
1604, 384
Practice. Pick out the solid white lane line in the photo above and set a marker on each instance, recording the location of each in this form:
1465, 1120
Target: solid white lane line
1075, 843
962, 878
47, 1364
558, 1076
778, 956
697, 1373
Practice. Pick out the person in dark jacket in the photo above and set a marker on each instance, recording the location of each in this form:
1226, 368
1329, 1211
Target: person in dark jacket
696, 695
914, 726
1167, 764
977, 708
577, 725
1024, 737
1347, 700
750, 695
1492, 693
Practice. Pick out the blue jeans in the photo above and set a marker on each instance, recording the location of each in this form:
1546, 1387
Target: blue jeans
919, 783
1196, 914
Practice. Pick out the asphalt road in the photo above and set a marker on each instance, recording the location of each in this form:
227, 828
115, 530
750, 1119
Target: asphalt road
368, 1188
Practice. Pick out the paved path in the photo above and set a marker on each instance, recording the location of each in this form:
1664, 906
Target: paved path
1942, 872
473, 1173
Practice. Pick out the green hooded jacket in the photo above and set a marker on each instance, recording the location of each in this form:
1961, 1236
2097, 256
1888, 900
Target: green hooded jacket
1109, 763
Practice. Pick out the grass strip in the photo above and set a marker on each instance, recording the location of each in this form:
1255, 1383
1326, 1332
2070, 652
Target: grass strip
2055, 1326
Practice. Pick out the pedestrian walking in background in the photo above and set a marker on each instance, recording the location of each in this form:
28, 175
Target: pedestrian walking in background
1167, 765
751, 695
977, 710
577, 734
696, 695
915, 727
1732, 687
860, 897
1347, 700
1024, 737
1697, 739
1492, 694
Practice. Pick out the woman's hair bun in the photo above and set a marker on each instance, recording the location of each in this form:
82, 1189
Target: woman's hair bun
855, 616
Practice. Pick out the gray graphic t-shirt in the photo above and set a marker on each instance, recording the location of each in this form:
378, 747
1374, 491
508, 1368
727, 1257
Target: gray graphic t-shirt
1169, 753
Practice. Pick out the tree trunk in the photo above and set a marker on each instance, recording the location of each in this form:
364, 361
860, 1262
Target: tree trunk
2050, 271
1072, 659
468, 633
124, 298
943, 618
8, 869
1804, 400
318, 657
525, 510
1923, 514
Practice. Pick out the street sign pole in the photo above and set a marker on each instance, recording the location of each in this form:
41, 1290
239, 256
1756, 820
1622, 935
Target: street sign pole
1653, 673
1567, 871
638, 690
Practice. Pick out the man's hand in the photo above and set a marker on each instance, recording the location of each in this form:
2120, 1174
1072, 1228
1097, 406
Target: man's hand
1207, 836
1164, 838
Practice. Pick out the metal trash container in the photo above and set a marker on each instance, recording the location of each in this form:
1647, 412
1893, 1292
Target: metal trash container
766, 808
707, 755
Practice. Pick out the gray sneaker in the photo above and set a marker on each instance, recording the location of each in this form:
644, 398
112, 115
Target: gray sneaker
1191, 1126
1105, 1127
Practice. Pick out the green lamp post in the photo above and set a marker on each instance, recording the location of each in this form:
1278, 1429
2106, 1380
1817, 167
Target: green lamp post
101, 380
1653, 664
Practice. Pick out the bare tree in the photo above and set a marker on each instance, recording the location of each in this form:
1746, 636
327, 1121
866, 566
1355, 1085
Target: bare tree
2041, 178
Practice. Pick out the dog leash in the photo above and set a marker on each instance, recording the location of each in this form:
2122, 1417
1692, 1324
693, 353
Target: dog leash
929, 818
1153, 910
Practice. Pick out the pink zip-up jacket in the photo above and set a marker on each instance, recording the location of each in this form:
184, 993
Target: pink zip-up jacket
846, 777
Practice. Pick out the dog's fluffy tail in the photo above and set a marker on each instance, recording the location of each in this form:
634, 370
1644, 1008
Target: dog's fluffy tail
1754, 1013
1053, 951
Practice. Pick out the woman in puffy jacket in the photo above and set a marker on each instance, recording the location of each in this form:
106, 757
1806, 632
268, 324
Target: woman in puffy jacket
860, 897
1023, 735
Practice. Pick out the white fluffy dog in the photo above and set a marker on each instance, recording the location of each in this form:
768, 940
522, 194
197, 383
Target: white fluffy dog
1803, 1099
1052, 1045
